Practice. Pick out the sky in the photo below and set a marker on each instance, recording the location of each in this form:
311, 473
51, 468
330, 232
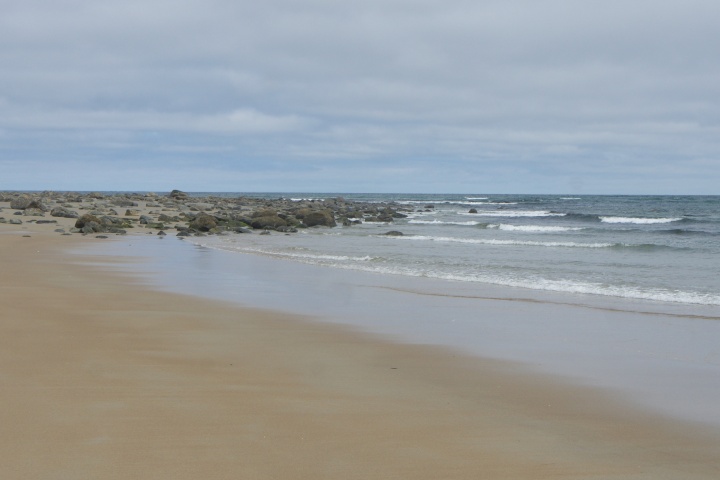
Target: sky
451, 96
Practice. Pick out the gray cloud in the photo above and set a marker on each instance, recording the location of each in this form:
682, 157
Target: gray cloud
515, 95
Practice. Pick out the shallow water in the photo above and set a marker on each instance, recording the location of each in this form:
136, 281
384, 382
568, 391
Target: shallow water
663, 356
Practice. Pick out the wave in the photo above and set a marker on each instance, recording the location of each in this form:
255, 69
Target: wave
639, 220
303, 257
572, 286
534, 243
570, 198
440, 222
476, 198
490, 241
452, 202
532, 228
307, 199
515, 213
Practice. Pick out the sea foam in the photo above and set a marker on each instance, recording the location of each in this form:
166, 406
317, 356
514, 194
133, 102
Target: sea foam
637, 220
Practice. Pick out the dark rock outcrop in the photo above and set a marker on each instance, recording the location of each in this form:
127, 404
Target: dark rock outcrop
203, 222
178, 195
63, 212
322, 218
21, 202
85, 219
268, 222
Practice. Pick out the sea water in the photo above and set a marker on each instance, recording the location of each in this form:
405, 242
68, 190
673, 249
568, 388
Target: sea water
658, 248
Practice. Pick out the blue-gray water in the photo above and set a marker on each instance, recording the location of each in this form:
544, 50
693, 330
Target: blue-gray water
657, 248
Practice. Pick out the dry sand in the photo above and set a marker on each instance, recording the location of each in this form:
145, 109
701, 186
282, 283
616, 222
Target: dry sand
102, 379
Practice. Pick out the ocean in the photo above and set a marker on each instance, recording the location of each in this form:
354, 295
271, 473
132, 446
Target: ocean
656, 248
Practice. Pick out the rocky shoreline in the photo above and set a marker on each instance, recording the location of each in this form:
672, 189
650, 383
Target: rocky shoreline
187, 215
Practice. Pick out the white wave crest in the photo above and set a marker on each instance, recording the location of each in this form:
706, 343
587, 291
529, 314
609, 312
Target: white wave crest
637, 220
490, 241
515, 213
440, 222
532, 228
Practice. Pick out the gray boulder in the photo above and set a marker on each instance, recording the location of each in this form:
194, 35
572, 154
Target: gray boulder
33, 212
85, 219
268, 222
124, 202
203, 222
21, 202
63, 212
323, 218
178, 195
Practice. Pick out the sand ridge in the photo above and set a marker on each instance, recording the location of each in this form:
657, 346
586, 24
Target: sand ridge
101, 378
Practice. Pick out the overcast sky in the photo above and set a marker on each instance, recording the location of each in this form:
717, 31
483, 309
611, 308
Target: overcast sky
471, 96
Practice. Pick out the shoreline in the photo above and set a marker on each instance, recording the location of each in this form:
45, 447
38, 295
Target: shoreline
109, 378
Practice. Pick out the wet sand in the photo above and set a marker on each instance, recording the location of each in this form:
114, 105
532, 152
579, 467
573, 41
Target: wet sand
102, 377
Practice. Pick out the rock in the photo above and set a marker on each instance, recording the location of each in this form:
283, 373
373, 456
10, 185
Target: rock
87, 218
167, 218
203, 222
101, 236
161, 233
132, 212
265, 212
21, 203
323, 218
33, 212
178, 195
394, 233
472, 210
270, 221
145, 219
63, 212
40, 222
201, 206
91, 227
124, 202
15, 221
265, 232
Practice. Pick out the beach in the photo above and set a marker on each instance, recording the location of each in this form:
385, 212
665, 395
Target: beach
104, 375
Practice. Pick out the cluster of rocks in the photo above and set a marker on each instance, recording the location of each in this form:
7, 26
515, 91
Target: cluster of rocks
95, 212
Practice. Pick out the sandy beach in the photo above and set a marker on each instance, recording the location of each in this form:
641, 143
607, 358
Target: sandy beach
103, 378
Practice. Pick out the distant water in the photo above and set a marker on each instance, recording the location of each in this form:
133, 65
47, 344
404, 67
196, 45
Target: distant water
658, 248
